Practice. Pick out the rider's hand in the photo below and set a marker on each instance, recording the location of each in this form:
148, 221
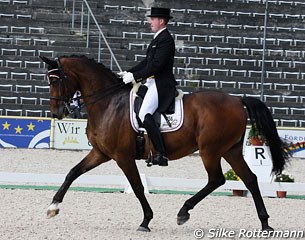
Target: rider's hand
121, 74
128, 78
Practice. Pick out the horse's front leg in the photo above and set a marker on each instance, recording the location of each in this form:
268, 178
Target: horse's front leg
130, 170
92, 160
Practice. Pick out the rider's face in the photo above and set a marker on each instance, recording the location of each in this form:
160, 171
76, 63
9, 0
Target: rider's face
156, 24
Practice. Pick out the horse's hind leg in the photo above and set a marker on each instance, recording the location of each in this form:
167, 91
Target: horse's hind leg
215, 179
92, 160
235, 159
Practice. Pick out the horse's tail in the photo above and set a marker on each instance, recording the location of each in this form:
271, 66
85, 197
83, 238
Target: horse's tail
261, 118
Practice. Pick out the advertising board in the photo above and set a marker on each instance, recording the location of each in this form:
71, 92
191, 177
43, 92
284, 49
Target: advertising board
70, 134
25, 132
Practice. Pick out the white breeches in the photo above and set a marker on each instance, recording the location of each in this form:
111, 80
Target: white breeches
150, 102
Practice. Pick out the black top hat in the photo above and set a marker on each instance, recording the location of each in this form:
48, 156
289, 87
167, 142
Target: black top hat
160, 12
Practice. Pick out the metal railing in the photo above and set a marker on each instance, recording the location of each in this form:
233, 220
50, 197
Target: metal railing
101, 36
264, 51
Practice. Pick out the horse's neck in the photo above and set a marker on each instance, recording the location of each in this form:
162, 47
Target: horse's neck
108, 104
100, 90
97, 84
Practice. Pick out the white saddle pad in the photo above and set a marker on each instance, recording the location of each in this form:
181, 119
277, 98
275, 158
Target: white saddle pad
175, 119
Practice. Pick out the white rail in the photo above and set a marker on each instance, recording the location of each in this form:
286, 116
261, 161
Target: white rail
148, 182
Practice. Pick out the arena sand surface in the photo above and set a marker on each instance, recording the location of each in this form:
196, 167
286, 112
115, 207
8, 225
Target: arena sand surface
89, 215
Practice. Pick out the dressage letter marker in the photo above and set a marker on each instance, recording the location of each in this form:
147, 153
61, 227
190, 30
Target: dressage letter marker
259, 161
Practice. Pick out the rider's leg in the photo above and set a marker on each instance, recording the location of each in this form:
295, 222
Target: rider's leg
149, 106
156, 138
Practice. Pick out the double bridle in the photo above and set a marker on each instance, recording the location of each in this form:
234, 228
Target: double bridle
59, 75
61, 78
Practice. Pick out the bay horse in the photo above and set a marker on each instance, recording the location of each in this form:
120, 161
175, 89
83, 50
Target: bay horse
214, 124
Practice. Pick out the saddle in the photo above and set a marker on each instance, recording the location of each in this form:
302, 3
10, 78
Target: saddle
157, 115
169, 121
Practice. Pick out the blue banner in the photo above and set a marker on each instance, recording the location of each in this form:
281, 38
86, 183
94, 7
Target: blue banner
25, 133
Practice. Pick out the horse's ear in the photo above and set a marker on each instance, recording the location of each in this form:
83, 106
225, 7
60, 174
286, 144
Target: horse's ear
48, 61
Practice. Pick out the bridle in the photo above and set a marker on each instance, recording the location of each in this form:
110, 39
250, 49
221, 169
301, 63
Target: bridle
59, 75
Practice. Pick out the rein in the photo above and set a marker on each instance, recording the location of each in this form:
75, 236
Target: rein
101, 94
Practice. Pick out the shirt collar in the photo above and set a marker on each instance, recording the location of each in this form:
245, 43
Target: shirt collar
157, 33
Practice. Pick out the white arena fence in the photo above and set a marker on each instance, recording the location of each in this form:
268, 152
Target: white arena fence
150, 183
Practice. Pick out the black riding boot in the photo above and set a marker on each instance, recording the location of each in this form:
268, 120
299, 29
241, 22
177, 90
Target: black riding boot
157, 140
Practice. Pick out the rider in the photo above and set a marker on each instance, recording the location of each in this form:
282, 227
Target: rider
157, 70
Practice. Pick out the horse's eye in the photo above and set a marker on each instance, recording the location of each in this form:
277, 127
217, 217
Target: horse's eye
54, 82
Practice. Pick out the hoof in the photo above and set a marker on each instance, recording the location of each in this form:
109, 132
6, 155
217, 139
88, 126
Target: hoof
53, 210
143, 229
52, 213
267, 229
182, 219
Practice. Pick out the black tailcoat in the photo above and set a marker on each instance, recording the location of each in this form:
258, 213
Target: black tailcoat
159, 63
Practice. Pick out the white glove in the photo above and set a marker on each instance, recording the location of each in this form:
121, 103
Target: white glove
128, 78
121, 74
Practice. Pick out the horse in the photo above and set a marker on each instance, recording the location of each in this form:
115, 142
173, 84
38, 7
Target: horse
214, 124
